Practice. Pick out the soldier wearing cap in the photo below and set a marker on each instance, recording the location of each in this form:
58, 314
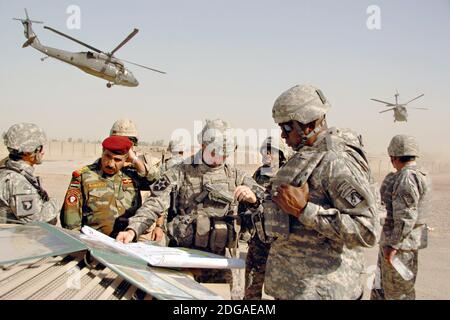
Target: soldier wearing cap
406, 196
175, 156
145, 164
321, 206
22, 198
274, 154
105, 194
205, 193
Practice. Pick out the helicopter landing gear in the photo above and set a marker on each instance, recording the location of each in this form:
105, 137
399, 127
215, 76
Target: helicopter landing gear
109, 84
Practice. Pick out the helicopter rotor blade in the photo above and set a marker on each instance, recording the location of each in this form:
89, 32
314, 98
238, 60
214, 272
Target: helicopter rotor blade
387, 110
417, 108
128, 38
73, 39
386, 103
26, 13
421, 95
140, 65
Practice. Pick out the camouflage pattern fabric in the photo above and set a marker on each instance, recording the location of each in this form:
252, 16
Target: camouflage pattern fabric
393, 286
172, 161
151, 164
24, 137
322, 256
303, 103
102, 202
406, 196
188, 181
403, 145
258, 251
255, 268
20, 199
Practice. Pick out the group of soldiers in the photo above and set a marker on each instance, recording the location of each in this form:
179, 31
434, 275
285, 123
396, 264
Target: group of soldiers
308, 211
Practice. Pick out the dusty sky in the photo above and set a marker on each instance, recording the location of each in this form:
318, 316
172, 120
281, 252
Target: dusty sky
231, 59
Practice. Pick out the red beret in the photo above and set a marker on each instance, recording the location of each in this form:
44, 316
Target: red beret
117, 144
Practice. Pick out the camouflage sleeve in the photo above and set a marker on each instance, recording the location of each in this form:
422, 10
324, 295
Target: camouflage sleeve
26, 204
72, 210
353, 217
157, 203
151, 164
243, 179
405, 200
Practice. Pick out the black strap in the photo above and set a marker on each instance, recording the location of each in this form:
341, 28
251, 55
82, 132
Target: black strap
33, 181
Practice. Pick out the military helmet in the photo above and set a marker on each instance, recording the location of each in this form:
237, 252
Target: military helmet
403, 145
124, 127
176, 145
218, 134
24, 138
303, 103
279, 145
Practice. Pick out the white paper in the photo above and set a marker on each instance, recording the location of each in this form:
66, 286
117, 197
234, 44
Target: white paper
164, 256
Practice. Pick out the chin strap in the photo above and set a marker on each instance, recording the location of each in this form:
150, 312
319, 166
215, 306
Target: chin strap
305, 138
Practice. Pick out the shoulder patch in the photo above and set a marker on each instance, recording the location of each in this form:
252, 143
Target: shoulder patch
73, 196
161, 184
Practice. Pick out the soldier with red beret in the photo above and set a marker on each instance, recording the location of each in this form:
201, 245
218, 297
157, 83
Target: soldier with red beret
105, 194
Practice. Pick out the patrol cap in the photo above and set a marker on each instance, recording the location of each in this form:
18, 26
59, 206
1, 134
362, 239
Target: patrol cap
303, 103
403, 145
24, 138
117, 144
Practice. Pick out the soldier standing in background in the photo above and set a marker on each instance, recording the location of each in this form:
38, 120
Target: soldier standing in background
22, 197
321, 207
127, 128
176, 150
206, 191
406, 195
273, 157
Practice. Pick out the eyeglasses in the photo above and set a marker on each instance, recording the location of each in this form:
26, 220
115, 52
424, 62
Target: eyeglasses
39, 149
286, 127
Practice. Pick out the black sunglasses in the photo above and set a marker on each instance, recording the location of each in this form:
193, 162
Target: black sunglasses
286, 127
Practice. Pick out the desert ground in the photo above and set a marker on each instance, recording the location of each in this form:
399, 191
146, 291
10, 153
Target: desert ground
434, 262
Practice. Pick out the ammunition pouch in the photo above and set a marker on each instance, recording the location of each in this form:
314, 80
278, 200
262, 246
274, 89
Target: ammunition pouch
259, 229
181, 230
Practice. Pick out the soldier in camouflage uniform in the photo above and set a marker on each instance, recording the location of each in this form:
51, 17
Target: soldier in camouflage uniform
273, 158
148, 166
205, 193
22, 197
176, 151
105, 194
406, 195
321, 207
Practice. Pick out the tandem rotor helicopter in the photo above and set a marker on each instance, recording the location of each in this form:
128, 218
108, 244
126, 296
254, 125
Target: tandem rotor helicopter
400, 112
98, 63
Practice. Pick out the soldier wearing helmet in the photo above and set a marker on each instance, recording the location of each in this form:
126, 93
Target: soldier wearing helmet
321, 207
406, 196
22, 197
274, 154
175, 156
204, 192
145, 164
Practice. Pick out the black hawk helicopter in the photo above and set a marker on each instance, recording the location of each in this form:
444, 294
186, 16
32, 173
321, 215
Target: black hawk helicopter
400, 112
96, 62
